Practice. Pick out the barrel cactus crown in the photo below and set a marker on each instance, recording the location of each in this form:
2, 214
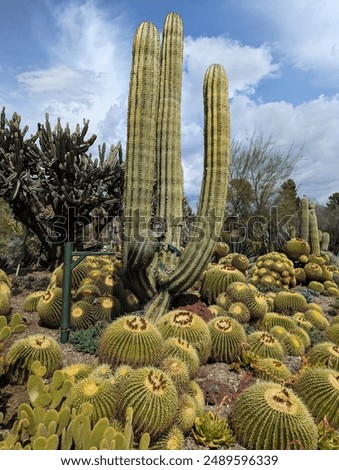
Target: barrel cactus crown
103, 307
297, 247
217, 279
77, 371
154, 399
182, 349
256, 304
173, 439
81, 315
293, 345
272, 319
318, 320
301, 322
21, 355
238, 291
177, 369
131, 340
49, 307
325, 354
313, 271
221, 249
270, 416
228, 338
188, 326
240, 262
290, 303
100, 393
318, 387
31, 301
238, 311
270, 369
265, 344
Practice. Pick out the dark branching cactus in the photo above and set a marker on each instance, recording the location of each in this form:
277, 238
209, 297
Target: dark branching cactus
51, 176
151, 259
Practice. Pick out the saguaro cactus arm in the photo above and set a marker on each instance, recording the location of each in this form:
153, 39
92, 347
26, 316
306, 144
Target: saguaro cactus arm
214, 190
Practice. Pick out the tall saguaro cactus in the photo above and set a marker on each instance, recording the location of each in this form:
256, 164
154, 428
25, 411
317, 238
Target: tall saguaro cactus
154, 155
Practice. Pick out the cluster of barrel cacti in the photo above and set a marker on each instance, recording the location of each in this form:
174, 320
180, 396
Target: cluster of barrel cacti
310, 255
314, 271
98, 294
273, 270
84, 407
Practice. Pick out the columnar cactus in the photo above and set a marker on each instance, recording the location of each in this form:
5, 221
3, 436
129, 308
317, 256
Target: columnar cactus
304, 226
314, 233
325, 241
153, 149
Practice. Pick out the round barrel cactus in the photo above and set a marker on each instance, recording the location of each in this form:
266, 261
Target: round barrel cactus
179, 348
49, 307
325, 354
100, 393
39, 347
270, 416
131, 340
318, 387
189, 326
265, 344
228, 338
154, 399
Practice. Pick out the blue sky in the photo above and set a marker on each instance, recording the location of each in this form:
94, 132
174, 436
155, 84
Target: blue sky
71, 58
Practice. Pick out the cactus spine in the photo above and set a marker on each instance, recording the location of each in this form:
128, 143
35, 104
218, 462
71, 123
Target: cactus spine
154, 129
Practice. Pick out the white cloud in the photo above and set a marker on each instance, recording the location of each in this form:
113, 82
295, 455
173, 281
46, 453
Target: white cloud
310, 127
244, 65
89, 72
306, 31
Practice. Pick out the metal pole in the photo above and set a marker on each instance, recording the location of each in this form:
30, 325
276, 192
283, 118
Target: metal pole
66, 293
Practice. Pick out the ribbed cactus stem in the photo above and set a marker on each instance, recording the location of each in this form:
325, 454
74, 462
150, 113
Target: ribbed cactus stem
141, 132
214, 190
314, 233
304, 215
170, 192
325, 241
292, 232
